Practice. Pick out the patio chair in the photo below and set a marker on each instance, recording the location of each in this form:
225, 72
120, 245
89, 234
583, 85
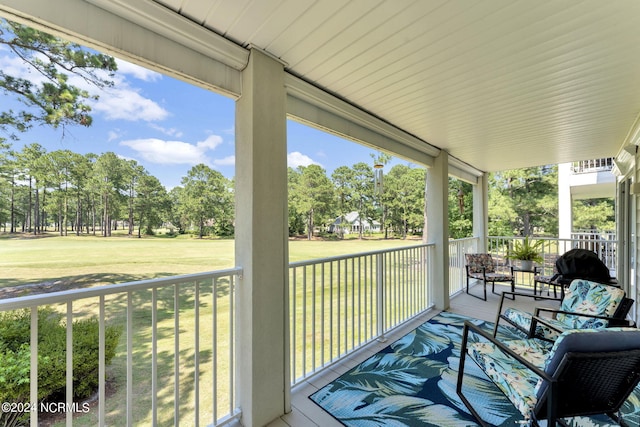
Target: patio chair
482, 267
548, 280
585, 305
586, 372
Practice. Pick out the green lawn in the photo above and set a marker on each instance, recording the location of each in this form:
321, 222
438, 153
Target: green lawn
89, 261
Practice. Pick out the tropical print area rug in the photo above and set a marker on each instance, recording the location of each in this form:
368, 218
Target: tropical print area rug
412, 382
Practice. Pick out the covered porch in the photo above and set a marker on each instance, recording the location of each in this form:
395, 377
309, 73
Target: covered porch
459, 90
306, 413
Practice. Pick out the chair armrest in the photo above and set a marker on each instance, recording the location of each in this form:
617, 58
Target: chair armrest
628, 323
468, 326
534, 322
513, 296
536, 297
537, 319
573, 313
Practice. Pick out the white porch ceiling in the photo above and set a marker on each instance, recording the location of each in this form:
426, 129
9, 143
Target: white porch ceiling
498, 84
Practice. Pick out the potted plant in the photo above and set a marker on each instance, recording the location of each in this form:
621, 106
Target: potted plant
527, 251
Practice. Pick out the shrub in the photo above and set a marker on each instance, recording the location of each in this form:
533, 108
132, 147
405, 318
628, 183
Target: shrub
15, 355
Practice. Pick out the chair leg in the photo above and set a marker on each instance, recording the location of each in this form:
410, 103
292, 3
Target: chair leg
463, 356
484, 285
499, 316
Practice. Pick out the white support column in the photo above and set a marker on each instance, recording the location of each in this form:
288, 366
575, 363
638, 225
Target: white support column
438, 228
565, 203
481, 212
261, 242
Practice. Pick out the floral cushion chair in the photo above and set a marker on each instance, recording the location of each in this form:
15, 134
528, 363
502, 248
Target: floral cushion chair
584, 372
596, 303
482, 267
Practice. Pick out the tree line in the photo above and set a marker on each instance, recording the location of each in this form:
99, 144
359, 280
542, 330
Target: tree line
66, 192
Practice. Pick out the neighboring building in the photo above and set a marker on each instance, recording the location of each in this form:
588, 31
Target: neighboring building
588, 179
351, 223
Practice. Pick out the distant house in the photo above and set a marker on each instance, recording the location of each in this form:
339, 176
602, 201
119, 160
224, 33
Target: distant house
351, 223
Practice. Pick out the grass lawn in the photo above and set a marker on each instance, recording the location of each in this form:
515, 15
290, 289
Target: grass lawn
83, 261
89, 261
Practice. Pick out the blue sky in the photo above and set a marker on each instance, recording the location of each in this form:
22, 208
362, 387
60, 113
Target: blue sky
168, 126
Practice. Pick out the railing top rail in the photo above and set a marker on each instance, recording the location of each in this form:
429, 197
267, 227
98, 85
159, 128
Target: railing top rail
573, 239
463, 239
356, 255
103, 290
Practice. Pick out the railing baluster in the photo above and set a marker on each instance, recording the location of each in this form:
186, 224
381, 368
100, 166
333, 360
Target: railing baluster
322, 314
294, 315
353, 303
34, 365
380, 285
129, 359
214, 343
232, 367
359, 301
338, 305
176, 355
346, 306
69, 385
102, 405
313, 319
196, 358
330, 311
154, 356
304, 321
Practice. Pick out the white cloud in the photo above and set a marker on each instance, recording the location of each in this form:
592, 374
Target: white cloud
16, 67
120, 156
210, 143
173, 152
128, 104
167, 131
227, 161
137, 71
120, 102
113, 135
296, 158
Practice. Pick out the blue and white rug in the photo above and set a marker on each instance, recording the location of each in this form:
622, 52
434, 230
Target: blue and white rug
412, 382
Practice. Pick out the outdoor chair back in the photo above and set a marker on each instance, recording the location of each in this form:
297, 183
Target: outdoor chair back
586, 305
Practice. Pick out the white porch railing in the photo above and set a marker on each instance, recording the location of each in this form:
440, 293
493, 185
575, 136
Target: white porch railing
593, 165
175, 361
554, 247
457, 269
339, 304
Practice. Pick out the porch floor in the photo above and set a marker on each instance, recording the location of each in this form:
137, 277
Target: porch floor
306, 413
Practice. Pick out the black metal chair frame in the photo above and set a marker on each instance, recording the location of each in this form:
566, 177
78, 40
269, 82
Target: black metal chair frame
584, 383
